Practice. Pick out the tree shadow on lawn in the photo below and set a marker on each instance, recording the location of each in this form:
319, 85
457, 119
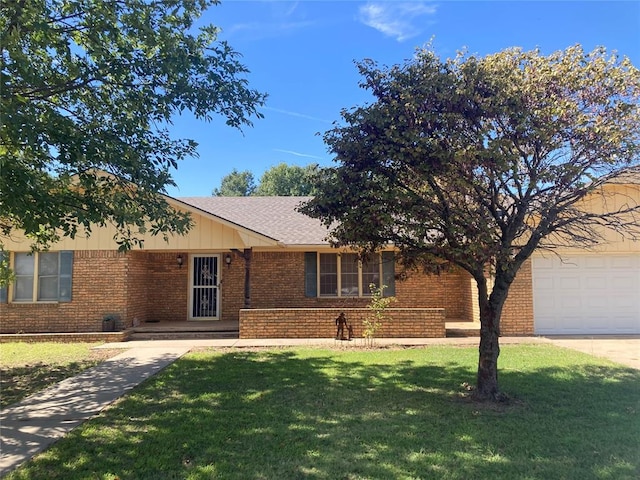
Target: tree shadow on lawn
19, 382
268, 415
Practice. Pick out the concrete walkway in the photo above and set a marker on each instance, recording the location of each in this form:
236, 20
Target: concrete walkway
623, 350
30, 426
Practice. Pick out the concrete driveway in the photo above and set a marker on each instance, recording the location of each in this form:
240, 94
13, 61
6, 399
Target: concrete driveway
623, 350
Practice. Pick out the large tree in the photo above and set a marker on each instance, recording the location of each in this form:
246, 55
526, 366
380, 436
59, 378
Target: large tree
279, 180
288, 180
236, 184
88, 89
477, 162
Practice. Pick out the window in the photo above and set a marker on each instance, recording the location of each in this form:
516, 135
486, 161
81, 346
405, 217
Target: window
345, 275
42, 277
371, 273
350, 275
328, 274
4, 259
24, 267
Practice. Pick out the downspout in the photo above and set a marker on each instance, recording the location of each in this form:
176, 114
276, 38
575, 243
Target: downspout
246, 255
247, 277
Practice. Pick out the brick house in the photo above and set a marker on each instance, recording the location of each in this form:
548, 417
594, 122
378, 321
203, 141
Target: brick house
257, 262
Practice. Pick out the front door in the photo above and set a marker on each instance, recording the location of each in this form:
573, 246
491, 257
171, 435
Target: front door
204, 302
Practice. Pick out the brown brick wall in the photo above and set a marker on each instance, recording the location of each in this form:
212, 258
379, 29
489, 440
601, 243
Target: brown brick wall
167, 287
278, 282
89, 337
136, 289
320, 323
449, 290
232, 288
99, 287
141, 286
517, 313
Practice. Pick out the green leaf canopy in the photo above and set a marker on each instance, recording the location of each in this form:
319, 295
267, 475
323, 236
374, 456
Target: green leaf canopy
478, 161
89, 87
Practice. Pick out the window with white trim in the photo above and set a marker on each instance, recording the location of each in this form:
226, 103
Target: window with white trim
42, 276
346, 275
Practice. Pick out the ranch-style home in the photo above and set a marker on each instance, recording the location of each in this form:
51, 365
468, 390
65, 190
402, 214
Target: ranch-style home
264, 270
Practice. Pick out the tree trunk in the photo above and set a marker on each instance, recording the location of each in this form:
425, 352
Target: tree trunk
487, 382
487, 388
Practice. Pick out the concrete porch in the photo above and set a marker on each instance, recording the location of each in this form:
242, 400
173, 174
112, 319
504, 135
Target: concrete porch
460, 328
178, 330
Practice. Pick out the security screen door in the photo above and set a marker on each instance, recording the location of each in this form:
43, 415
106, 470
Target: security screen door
205, 287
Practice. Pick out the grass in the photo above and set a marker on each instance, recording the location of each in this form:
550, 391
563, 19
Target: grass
26, 368
361, 414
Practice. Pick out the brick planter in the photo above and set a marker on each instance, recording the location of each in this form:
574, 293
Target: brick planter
320, 322
92, 337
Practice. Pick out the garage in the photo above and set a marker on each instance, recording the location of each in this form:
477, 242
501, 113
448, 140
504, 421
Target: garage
586, 294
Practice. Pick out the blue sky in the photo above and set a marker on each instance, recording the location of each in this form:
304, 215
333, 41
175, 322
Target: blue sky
302, 54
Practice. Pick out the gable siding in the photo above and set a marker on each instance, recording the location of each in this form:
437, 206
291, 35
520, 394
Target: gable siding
206, 232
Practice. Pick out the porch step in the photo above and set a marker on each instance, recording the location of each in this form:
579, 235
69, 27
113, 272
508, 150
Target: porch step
462, 329
184, 335
460, 333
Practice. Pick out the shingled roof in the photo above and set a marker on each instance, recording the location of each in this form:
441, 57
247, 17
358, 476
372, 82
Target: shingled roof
275, 217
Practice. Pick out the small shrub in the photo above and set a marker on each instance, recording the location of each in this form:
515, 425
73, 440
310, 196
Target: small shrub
372, 324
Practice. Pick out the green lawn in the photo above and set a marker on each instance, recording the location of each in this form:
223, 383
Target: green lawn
26, 368
361, 414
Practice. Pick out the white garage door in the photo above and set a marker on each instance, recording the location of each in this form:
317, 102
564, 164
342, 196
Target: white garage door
597, 294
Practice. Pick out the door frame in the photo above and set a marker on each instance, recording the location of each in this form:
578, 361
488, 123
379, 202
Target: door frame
217, 286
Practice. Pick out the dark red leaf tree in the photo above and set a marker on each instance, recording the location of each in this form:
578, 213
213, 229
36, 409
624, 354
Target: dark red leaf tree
477, 162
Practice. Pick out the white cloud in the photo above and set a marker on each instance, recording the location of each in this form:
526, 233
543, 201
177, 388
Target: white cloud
297, 154
291, 8
296, 114
400, 20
